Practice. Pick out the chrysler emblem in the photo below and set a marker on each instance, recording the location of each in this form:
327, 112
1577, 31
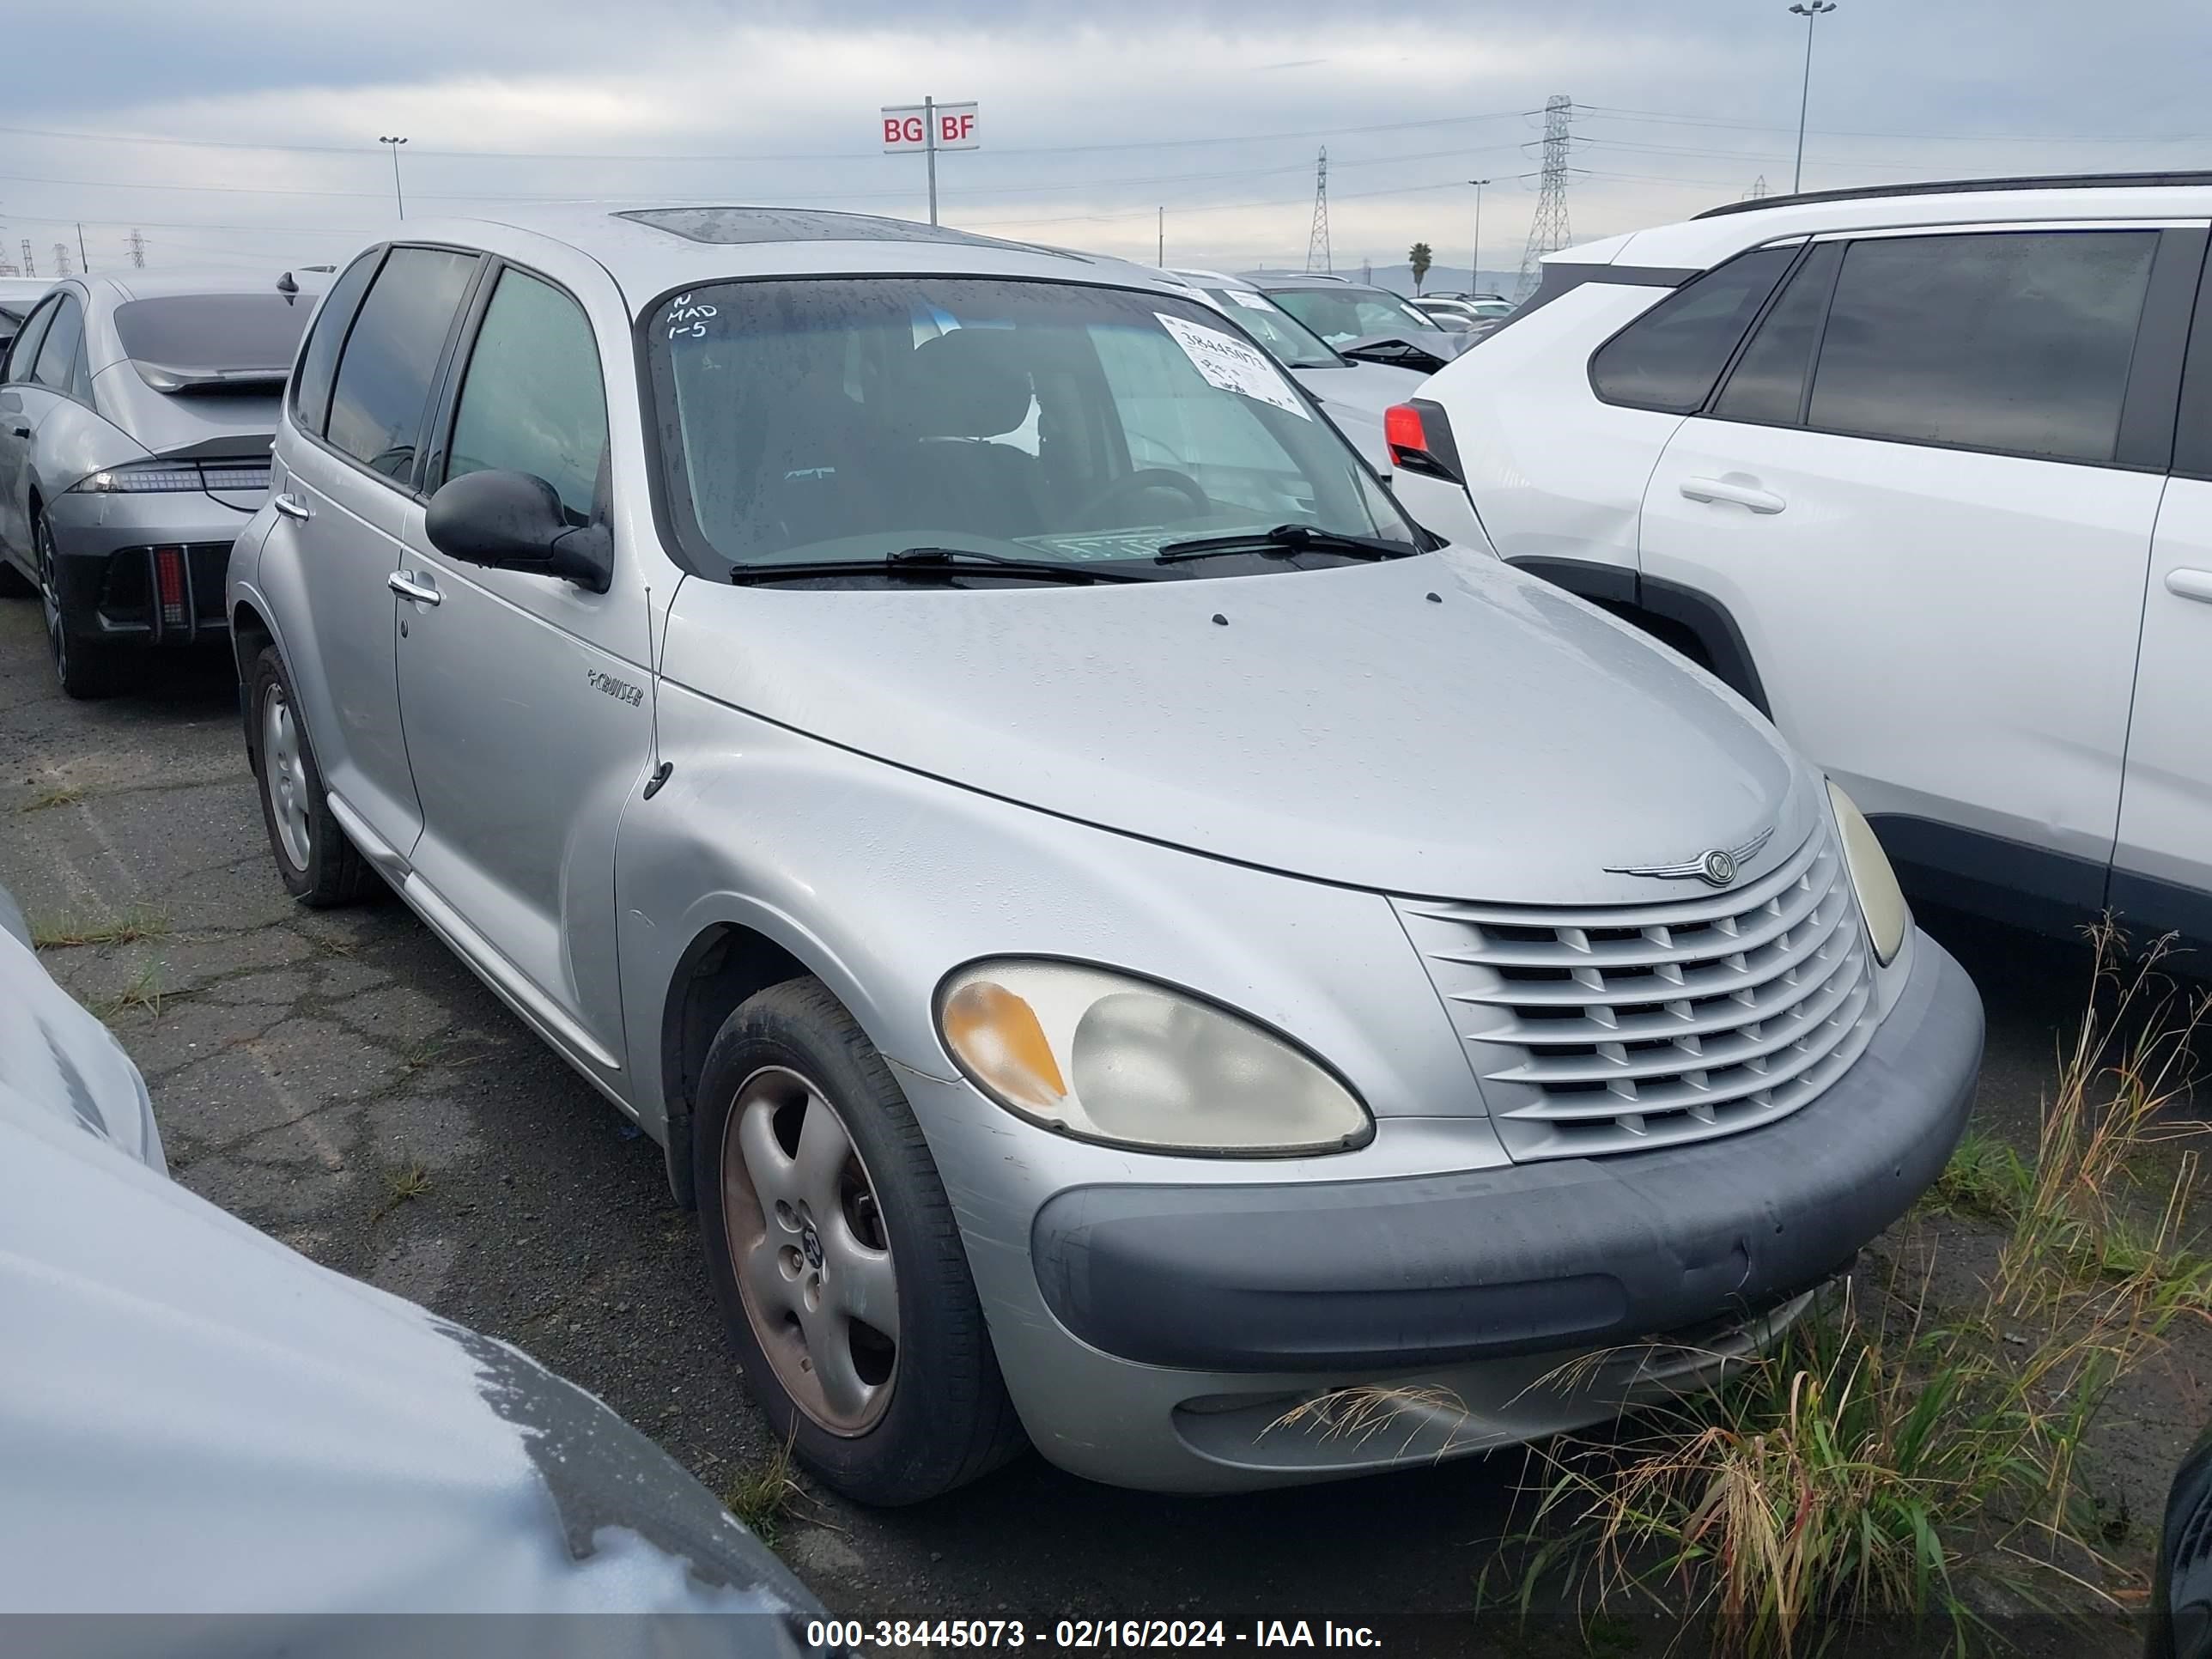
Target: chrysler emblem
1716, 867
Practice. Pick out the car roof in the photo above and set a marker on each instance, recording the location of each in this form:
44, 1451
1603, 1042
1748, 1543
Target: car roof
1721, 233
1301, 279
652, 249
1214, 279
119, 287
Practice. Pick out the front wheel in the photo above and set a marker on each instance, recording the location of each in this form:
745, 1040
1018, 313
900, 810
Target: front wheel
835, 1258
320, 867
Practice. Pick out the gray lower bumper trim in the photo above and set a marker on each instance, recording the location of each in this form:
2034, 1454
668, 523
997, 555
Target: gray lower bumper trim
1526, 1259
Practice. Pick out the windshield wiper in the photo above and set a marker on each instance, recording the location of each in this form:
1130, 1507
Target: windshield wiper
935, 564
1285, 538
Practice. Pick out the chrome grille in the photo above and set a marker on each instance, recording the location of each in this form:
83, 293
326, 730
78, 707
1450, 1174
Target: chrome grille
1605, 1030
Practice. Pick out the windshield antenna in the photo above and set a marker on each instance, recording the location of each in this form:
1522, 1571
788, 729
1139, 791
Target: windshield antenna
661, 769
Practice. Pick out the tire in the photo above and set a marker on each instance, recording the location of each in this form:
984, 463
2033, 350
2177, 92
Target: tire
319, 866
938, 1415
86, 670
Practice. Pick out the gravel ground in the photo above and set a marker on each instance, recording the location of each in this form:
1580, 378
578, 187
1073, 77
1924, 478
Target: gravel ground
305, 1066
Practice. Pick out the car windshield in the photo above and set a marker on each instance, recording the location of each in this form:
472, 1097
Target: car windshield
1343, 314
214, 330
844, 420
1291, 340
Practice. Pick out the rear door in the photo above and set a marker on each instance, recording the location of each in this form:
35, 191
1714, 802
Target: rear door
350, 489
1925, 492
525, 695
2162, 867
16, 431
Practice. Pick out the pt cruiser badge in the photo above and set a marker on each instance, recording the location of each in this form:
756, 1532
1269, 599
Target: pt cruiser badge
1716, 868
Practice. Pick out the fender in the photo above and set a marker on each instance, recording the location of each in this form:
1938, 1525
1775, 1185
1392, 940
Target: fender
1627, 592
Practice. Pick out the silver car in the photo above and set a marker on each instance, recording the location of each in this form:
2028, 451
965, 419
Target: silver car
1352, 394
1120, 935
1368, 325
135, 415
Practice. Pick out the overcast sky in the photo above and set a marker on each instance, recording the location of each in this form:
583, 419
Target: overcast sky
268, 116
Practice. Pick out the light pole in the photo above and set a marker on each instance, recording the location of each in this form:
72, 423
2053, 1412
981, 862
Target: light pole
1474, 271
402, 200
1808, 11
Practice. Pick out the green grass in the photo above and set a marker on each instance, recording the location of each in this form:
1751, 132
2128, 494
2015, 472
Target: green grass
1985, 1179
143, 992
762, 1497
403, 1184
69, 933
60, 794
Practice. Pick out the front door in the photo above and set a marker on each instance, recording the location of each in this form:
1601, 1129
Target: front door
20, 404
1911, 492
525, 697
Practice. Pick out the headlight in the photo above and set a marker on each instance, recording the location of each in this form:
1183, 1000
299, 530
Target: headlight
1109, 1058
1881, 901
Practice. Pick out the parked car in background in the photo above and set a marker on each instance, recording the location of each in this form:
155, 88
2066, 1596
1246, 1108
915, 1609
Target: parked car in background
1925, 471
944, 736
17, 295
1477, 316
195, 1420
135, 415
2181, 1591
1370, 324
1352, 394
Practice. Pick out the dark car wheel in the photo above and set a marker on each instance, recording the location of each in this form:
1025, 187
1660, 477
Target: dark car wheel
835, 1258
320, 867
85, 669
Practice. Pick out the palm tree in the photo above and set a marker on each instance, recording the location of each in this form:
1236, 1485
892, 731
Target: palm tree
1420, 259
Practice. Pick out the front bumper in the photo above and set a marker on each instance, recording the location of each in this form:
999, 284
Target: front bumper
1178, 1322
112, 587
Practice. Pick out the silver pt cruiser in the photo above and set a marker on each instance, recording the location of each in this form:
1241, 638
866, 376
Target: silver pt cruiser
1119, 933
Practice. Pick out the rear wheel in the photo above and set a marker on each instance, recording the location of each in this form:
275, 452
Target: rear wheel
85, 670
319, 866
835, 1258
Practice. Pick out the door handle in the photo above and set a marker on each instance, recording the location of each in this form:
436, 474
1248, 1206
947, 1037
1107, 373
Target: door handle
407, 586
20, 431
2187, 584
291, 508
1721, 489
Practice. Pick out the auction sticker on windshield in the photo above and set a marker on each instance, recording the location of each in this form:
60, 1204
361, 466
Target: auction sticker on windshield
1232, 365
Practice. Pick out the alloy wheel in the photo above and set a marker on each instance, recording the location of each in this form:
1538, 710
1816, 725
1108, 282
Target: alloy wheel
284, 775
50, 601
809, 1250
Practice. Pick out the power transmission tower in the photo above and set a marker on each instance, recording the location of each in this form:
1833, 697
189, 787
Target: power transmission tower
1318, 254
1547, 231
137, 243
1757, 189
61, 258
30, 266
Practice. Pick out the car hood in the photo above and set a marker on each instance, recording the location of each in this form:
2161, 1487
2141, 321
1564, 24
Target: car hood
1372, 387
1439, 724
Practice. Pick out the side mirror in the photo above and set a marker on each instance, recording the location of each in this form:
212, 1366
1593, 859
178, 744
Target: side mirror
513, 521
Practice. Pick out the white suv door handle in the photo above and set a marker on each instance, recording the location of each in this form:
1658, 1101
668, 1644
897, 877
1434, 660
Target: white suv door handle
1720, 490
407, 586
291, 508
2187, 584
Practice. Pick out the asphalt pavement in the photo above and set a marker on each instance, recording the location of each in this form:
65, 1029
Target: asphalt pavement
340, 1080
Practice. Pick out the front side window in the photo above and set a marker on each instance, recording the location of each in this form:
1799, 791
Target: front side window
2017, 340
380, 398
532, 400
1669, 358
57, 355
834, 420
25, 349
318, 360
1341, 315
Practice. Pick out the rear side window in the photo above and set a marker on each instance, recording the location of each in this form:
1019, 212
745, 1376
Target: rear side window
214, 330
25, 351
2014, 341
318, 358
380, 395
1669, 358
57, 355
1768, 384
532, 400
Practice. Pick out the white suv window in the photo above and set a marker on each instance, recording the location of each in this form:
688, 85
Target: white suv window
2014, 341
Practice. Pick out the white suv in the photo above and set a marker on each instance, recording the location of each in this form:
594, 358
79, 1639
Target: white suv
1925, 472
